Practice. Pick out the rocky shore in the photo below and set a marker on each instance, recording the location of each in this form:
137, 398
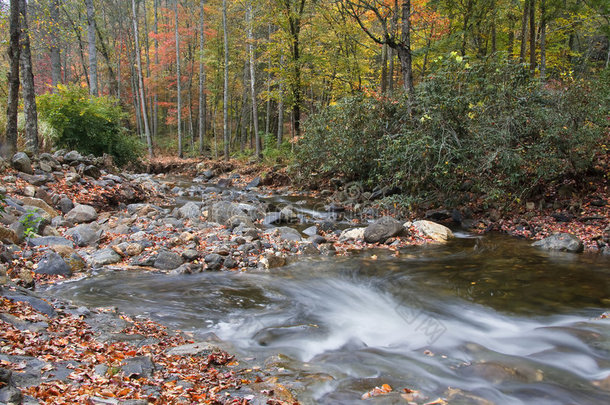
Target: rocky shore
65, 215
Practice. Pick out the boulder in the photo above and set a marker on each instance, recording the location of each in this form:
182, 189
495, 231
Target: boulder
222, 212
104, 257
167, 260
22, 163
36, 179
138, 367
86, 234
352, 234
81, 213
432, 230
38, 203
73, 156
311, 231
50, 241
287, 215
53, 264
189, 210
254, 183
564, 242
382, 229
272, 218
287, 233
271, 261
8, 235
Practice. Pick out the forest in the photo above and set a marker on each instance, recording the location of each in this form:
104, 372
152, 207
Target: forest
416, 94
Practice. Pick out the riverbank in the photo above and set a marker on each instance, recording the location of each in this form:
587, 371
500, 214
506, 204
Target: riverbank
67, 215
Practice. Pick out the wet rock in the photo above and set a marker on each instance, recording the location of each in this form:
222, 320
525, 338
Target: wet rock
190, 255
86, 234
287, 215
189, 210
230, 263
564, 242
81, 213
105, 257
327, 249
21, 162
438, 215
53, 264
433, 230
309, 249
382, 230
167, 260
316, 239
271, 261
352, 234
192, 349
138, 367
214, 261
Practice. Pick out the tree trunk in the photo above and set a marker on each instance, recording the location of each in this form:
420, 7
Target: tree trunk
81, 52
526, 6
532, 36
384, 68
114, 84
178, 85
141, 80
27, 78
13, 82
404, 50
225, 99
493, 28
257, 137
156, 96
280, 109
202, 100
54, 49
543, 40
268, 113
93, 89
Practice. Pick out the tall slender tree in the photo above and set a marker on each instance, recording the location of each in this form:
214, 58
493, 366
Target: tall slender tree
202, 96
140, 79
54, 50
257, 137
27, 79
93, 80
225, 99
178, 79
13, 81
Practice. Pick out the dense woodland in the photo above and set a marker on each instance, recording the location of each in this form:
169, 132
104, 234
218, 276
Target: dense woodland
270, 77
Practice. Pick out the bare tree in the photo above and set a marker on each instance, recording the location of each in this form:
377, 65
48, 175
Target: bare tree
13, 81
93, 89
27, 78
141, 80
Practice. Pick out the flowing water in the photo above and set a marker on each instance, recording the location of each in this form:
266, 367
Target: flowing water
479, 320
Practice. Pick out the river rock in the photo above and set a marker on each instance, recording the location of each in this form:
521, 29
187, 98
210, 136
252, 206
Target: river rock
22, 163
92, 171
254, 183
272, 218
286, 233
189, 210
271, 261
38, 203
287, 215
81, 213
9, 393
383, 229
134, 249
35, 180
214, 261
86, 234
564, 242
139, 367
222, 211
50, 241
432, 230
53, 264
352, 234
8, 235
311, 231
73, 156
104, 257
167, 260
65, 205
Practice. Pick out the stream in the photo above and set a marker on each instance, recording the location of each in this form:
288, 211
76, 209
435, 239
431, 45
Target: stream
490, 317
479, 320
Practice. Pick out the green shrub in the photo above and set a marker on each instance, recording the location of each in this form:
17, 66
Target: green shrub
487, 128
91, 125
